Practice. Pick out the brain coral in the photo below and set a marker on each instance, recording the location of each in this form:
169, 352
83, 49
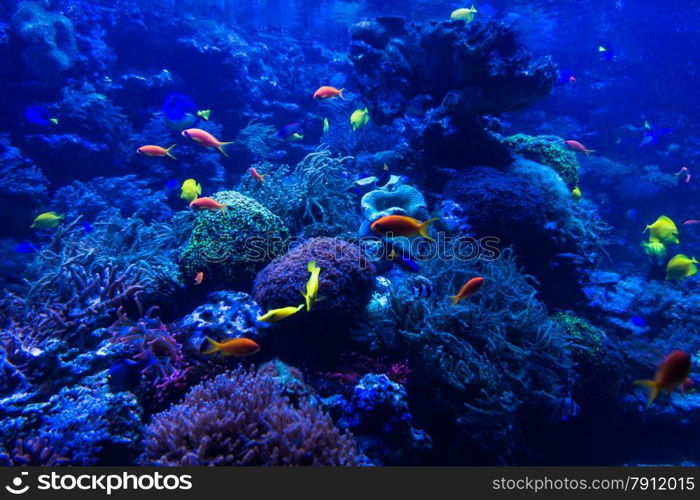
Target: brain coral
230, 247
547, 150
50, 46
345, 281
242, 418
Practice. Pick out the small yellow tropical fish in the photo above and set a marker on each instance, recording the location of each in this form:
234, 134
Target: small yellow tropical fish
680, 267
275, 315
576, 193
464, 14
359, 118
311, 285
47, 220
204, 114
190, 190
296, 136
326, 125
654, 249
663, 230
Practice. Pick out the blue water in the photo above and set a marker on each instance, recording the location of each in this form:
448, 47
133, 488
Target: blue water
349, 233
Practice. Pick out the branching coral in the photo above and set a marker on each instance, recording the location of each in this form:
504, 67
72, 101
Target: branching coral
260, 140
32, 452
489, 362
242, 419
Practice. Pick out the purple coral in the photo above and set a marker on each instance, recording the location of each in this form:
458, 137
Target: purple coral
243, 419
345, 281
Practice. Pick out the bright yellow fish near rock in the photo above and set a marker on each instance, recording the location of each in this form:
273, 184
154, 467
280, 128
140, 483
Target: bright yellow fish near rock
680, 267
663, 230
47, 220
312, 285
275, 315
464, 14
359, 118
576, 193
190, 190
655, 249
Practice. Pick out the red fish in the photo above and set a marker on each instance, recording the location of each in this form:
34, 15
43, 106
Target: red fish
205, 139
468, 289
151, 150
239, 347
400, 225
257, 176
691, 222
207, 204
199, 278
673, 372
328, 92
578, 147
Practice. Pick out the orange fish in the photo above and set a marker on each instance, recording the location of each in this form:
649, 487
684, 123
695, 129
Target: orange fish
468, 289
327, 92
205, 139
199, 278
151, 150
673, 372
258, 177
400, 225
578, 147
207, 204
238, 347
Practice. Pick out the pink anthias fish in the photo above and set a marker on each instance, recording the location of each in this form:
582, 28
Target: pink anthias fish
578, 147
204, 138
691, 222
684, 172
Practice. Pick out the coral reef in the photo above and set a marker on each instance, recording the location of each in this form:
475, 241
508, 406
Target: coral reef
232, 245
243, 419
345, 281
50, 46
547, 150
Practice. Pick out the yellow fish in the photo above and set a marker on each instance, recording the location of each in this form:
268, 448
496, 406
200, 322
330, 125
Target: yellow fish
275, 315
464, 14
312, 284
576, 193
359, 118
663, 230
47, 220
204, 114
190, 190
655, 249
681, 266
326, 125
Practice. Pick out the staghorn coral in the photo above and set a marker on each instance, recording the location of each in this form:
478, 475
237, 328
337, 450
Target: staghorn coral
242, 419
230, 246
345, 281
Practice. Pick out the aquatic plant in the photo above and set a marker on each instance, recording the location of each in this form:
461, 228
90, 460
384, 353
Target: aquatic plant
231, 246
48, 39
547, 150
241, 418
345, 281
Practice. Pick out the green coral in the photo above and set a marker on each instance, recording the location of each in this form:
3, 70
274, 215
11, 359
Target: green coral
548, 150
230, 247
588, 338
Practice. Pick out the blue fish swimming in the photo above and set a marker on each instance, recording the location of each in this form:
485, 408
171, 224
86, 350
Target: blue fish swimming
38, 115
26, 247
124, 375
177, 106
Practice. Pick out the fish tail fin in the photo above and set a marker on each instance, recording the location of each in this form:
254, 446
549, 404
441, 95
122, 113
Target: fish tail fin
587, 152
455, 299
424, 228
168, 153
223, 209
214, 346
646, 229
221, 149
340, 94
652, 387
263, 178
61, 216
199, 188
